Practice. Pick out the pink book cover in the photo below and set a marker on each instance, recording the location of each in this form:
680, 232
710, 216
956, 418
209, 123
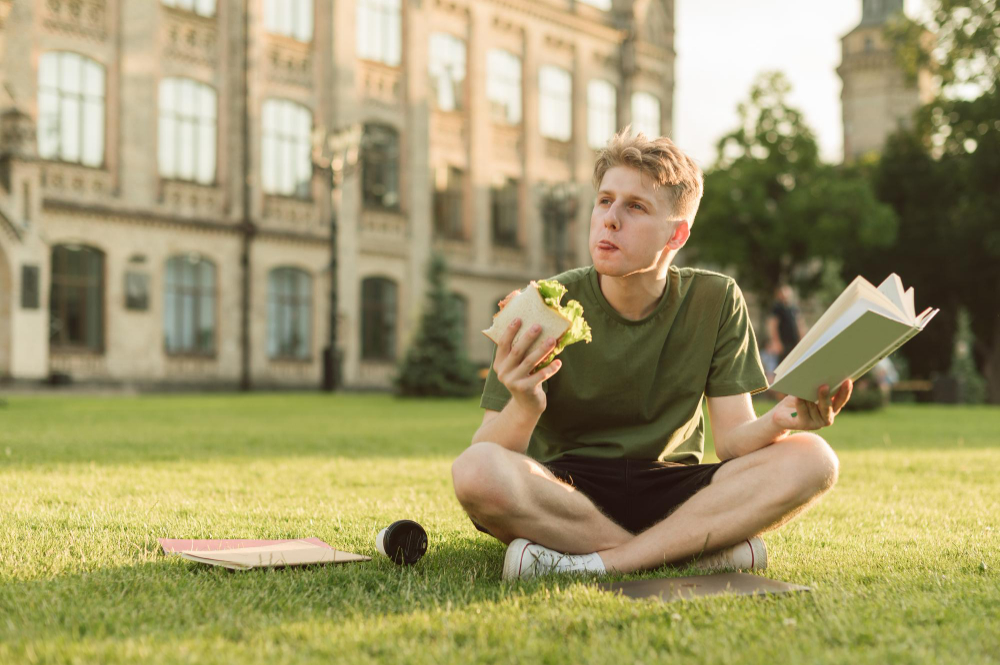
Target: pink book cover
173, 545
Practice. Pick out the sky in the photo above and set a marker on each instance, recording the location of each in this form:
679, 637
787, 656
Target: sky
723, 44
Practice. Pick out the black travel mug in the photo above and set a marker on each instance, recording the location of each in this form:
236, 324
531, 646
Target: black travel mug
403, 541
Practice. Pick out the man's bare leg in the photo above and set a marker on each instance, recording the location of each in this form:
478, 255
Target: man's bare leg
747, 495
514, 496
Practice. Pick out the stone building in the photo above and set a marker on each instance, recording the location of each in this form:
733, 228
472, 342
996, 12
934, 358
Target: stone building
165, 210
877, 98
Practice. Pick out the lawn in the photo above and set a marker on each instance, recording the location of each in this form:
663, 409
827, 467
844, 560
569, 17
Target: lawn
902, 555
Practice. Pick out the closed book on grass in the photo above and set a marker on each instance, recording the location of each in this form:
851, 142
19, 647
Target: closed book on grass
292, 553
862, 326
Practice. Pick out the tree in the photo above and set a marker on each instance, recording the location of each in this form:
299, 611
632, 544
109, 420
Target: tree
921, 191
436, 364
960, 130
773, 212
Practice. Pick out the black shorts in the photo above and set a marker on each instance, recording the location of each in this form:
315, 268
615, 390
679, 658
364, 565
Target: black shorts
636, 494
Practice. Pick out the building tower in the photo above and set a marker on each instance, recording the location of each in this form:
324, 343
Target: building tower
877, 98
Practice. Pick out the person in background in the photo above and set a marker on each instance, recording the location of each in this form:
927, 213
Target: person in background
784, 324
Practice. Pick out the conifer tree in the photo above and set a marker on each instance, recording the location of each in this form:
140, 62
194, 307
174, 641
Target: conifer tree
436, 364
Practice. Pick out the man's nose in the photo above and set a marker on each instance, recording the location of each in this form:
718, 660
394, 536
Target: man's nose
611, 216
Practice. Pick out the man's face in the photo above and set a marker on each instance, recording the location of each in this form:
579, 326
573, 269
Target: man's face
632, 216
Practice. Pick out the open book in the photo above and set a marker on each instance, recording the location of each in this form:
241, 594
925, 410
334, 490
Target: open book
862, 326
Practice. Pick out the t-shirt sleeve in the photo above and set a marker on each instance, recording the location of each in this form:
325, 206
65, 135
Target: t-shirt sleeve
495, 394
736, 366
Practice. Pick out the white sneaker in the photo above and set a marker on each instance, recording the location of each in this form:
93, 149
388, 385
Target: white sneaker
526, 559
750, 554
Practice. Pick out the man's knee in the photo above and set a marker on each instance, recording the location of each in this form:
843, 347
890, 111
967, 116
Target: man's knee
479, 475
810, 464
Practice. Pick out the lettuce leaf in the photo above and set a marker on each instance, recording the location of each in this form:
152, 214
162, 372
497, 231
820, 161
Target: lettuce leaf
552, 292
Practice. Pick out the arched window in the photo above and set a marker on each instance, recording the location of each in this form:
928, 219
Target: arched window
187, 130
285, 157
292, 18
646, 115
289, 313
70, 108
461, 304
76, 303
379, 31
200, 7
189, 306
602, 117
378, 319
380, 167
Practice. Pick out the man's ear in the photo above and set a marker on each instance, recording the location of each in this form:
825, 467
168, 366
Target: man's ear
682, 231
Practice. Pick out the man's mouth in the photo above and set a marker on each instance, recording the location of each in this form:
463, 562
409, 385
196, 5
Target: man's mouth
606, 245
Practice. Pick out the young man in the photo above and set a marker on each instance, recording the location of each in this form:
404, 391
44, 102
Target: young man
594, 463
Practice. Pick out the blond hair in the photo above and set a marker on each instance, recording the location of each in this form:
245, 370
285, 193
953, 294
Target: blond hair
661, 160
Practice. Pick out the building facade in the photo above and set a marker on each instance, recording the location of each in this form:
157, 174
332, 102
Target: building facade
877, 99
165, 209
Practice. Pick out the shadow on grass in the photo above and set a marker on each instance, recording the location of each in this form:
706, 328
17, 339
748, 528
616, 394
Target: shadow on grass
173, 597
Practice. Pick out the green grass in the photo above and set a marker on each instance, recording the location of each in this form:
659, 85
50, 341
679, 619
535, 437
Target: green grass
902, 555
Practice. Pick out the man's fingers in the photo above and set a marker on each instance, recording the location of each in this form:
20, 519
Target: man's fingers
508, 336
843, 394
541, 352
543, 374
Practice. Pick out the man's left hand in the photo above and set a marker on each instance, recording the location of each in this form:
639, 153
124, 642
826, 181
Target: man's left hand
796, 413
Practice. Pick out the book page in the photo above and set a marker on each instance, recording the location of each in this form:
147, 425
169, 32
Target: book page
892, 288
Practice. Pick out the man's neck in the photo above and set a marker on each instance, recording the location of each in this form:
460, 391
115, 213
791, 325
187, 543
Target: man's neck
635, 296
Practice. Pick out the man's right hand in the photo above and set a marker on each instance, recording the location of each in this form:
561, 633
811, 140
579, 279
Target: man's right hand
515, 367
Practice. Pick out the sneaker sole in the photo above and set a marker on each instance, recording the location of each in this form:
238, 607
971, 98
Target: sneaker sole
758, 553
512, 561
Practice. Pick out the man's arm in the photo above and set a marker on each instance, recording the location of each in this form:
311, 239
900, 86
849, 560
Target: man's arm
737, 430
510, 428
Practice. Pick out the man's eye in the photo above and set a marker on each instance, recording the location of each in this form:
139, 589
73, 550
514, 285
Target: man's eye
638, 206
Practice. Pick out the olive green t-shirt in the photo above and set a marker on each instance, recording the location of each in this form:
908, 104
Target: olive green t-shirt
636, 390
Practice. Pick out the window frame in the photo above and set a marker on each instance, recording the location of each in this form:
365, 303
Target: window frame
283, 17
637, 113
376, 170
295, 302
199, 291
601, 108
279, 140
555, 107
505, 203
64, 102
177, 119
447, 44
379, 31
194, 6
447, 203
60, 284
499, 83
378, 310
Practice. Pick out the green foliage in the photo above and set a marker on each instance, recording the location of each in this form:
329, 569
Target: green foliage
903, 556
957, 142
772, 212
436, 364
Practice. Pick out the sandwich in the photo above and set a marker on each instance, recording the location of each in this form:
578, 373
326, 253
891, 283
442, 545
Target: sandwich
539, 303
